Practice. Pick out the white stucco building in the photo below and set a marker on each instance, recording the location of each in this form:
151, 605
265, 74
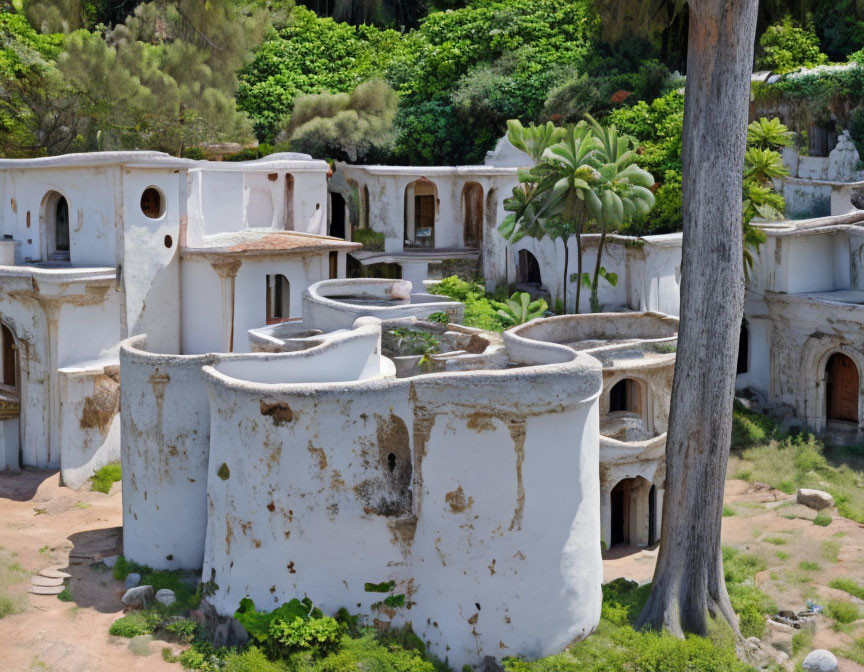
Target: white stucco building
99, 247
801, 347
350, 475
431, 215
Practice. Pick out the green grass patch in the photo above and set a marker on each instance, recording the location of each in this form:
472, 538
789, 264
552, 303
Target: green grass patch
738, 567
801, 462
136, 623
65, 595
822, 519
802, 642
728, 512
104, 478
11, 573
842, 611
181, 582
776, 541
782, 555
848, 586
809, 566
831, 551
855, 653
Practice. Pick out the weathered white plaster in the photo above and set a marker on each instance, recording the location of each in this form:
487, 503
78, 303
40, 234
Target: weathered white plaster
127, 271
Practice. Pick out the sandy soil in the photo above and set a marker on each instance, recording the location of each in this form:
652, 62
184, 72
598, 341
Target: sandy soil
771, 525
46, 525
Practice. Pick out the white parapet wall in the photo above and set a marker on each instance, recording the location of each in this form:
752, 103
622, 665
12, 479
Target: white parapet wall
461, 488
335, 304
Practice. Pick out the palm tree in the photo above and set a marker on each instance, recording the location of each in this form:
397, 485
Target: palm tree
556, 196
624, 190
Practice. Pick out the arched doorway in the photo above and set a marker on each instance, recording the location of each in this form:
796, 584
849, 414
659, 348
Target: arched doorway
421, 206
743, 349
841, 388
55, 226
472, 208
529, 269
337, 215
630, 512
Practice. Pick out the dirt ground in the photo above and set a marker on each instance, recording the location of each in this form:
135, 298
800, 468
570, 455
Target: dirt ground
46, 525
769, 523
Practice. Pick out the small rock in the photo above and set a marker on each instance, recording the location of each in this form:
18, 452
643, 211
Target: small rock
132, 580
239, 636
166, 596
46, 590
51, 573
815, 499
137, 596
820, 660
45, 581
110, 561
787, 613
221, 634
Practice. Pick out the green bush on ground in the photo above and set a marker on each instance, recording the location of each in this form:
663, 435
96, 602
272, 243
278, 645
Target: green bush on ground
106, 477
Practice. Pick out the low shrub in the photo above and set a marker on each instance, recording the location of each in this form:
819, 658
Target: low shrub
11, 572
371, 240
479, 309
842, 612
739, 567
786, 46
751, 605
848, 586
136, 623
103, 479
750, 428
809, 566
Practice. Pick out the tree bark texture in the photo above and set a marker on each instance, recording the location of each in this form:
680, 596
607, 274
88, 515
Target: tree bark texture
688, 581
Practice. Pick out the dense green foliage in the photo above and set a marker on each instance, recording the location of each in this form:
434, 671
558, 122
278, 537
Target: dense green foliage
479, 309
786, 46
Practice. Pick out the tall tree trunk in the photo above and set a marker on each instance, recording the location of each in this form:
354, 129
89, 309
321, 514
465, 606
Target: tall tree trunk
578, 269
688, 580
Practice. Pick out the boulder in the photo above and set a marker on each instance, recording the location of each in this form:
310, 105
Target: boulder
132, 580
166, 596
815, 499
137, 596
820, 660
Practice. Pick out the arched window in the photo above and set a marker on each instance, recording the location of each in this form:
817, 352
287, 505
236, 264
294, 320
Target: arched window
421, 205
841, 388
529, 269
626, 396
472, 208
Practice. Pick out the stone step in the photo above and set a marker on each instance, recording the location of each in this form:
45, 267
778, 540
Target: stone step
51, 573
46, 582
46, 590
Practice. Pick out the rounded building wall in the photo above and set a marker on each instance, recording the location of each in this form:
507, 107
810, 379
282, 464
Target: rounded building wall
396, 472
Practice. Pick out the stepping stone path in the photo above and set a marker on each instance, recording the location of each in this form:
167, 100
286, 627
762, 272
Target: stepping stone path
50, 581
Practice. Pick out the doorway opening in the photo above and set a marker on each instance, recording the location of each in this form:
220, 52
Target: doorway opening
841, 388
626, 396
421, 205
472, 207
337, 215
630, 504
743, 349
529, 269
278, 299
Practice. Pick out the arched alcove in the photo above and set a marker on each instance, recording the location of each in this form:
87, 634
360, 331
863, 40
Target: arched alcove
627, 395
472, 214
337, 215
421, 213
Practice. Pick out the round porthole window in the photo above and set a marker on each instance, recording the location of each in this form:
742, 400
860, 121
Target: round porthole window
153, 203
